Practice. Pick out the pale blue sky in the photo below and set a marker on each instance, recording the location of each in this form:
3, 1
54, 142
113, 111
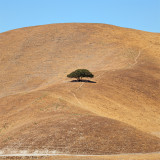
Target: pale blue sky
137, 14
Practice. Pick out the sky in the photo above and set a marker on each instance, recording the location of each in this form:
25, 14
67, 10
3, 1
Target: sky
136, 14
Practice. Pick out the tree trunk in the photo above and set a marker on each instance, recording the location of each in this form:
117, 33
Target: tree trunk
79, 79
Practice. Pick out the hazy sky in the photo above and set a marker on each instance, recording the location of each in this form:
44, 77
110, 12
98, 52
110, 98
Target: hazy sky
137, 14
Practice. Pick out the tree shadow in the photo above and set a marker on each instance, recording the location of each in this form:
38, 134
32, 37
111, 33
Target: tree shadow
83, 80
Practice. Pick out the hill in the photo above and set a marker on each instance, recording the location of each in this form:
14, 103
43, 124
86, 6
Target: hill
40, 108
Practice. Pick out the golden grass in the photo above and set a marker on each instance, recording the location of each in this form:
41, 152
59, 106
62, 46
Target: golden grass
154, 156
36, 95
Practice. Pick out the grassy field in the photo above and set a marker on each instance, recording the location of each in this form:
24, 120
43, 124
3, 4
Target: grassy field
155, 156
40, 108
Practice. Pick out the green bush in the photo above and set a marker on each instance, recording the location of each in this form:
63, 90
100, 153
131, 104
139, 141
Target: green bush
80, 73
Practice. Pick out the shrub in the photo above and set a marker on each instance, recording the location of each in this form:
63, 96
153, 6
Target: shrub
80, 73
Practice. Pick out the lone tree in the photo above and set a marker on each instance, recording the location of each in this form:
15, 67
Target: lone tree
80, 73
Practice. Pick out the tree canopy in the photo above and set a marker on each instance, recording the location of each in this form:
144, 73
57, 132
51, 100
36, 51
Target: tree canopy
80, 73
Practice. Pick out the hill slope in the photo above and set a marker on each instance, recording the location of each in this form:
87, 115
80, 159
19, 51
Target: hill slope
37, 97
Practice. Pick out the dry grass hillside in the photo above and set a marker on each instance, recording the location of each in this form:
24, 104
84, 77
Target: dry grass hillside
41, 109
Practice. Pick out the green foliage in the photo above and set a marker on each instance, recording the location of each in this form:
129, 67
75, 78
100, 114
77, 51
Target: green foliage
80, 73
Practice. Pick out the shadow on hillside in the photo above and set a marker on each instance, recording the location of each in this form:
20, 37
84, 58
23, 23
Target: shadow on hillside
83, 80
